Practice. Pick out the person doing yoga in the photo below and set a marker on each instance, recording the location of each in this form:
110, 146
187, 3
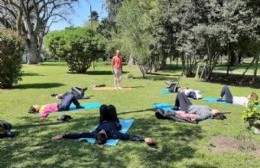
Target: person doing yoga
184, 107
108, 128
229, 98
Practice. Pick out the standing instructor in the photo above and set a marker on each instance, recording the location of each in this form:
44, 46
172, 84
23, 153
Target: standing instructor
117, 69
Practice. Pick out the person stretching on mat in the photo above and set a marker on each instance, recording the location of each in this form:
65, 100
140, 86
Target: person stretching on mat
64, 105
78, 92
184, 107
108, 128
117, 69
190, 93
235, 99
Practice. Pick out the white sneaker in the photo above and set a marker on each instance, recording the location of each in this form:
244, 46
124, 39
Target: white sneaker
119, 88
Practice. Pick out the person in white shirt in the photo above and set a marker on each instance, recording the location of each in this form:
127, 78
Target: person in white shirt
190, 93
229, 98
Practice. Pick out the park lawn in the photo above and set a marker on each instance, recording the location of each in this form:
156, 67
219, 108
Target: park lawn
179, 144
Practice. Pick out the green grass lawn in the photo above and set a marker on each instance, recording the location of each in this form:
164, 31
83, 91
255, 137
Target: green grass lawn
179, 144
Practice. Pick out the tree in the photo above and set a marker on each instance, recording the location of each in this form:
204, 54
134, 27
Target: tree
134, 22
113, 7
78, 46
94, 16
11, 49
93, 22
32, 19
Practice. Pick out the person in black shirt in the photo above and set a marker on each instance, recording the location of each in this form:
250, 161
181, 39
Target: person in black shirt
108, 128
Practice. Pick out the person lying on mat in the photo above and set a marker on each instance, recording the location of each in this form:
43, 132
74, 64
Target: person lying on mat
108, 128
190, 93
64, 105
235, 99
78, 92
182, 116
184, 107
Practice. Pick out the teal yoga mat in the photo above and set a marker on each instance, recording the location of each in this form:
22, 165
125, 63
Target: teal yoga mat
164, 106
165, 91
214, 100
126, 124
87, 106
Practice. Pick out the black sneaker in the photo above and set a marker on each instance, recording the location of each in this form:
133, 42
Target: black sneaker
80, 107
54, 94
220, 100
175, 108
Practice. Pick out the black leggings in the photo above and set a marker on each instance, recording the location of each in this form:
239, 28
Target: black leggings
226, 92
107, 113
182, 102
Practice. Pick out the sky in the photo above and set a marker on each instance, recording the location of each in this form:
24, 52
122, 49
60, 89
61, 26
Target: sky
82, 14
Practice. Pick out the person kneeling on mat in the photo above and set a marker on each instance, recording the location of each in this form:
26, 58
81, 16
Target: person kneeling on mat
108, 128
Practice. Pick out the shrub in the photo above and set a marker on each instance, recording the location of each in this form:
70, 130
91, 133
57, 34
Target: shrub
78, 46
251, 116
11, 51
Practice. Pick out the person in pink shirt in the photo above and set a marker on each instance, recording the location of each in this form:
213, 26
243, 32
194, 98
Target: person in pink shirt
64, 105
44, 110
117, 69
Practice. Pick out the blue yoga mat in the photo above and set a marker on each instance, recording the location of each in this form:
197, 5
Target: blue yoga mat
87, 106
165, 91
126, 124
164, 106
214, 100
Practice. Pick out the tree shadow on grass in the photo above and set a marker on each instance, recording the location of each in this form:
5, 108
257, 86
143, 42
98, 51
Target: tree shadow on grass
31, 74
235, 80
54, 64
102, 72
38, 85
197, 165
174, 140
159, 77
137, 111
33, 146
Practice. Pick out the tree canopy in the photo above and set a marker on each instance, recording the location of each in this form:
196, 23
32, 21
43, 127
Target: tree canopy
32, 19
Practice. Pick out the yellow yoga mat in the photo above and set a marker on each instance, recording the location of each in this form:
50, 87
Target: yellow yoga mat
111, 88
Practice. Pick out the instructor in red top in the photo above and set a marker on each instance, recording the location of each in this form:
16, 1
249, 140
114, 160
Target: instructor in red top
117, 69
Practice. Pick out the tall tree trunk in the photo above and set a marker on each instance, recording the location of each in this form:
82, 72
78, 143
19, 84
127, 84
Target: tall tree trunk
32, 48
256, 66
183, 63
232, 58
131, 60
163, 61
32, 51
228, 62
177, 61
143, 71
250, 65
